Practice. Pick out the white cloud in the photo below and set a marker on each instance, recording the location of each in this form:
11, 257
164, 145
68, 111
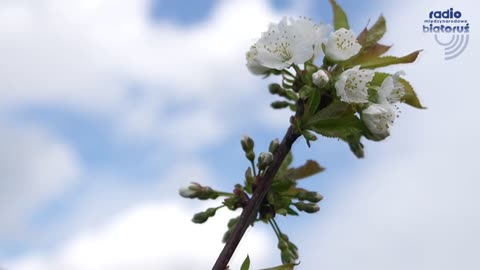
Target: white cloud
149, 236
85, 55
34, 168
413, 203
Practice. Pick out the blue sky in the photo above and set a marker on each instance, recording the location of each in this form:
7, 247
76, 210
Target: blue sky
108, 108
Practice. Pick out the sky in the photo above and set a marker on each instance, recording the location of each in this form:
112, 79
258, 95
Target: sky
108, 107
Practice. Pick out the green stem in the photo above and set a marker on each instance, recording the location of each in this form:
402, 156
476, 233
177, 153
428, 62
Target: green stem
218, 207
222, 193
278, 228
274, 228
253, 168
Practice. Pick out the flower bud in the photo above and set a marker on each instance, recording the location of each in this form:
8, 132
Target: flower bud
250, 155
195, 190
264, 159
275, 88
282, 245
287, 257
310, 196
201, 217
320, 78
186, 192
307, 207
280, 104
273, 145
247, 143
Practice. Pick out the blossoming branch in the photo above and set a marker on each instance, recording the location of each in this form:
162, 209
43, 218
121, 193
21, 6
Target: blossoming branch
330, 83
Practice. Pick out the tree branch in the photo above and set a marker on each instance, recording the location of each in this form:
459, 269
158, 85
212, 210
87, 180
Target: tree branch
250, 211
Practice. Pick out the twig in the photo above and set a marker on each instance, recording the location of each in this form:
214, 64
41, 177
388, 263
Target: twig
250, 211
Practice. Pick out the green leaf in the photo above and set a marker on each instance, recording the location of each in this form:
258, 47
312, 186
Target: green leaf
374, 34
365, 55
347, 128
410, 96
357, 148
310, 168
281, 184
338, 121
313, 101
378, 78
339, 17
286, 162
332, 111
289, 266
341, 128
231, 224
390, 60
246, 264
306, 91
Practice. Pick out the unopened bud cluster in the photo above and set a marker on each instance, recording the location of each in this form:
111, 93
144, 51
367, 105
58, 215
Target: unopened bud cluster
197, 191
201, 217
288, 250
307, 207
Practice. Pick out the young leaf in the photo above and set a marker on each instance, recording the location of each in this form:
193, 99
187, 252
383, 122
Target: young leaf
365, 55
313, 101
231, 224
286, 162
332, 111
375, 33
245, 264
357, 148
310, 168
410, 96
390, 60
339, 17
342, 128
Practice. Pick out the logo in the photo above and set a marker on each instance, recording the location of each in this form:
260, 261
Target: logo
449, 29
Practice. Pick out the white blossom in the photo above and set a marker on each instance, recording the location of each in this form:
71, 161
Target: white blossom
285, 44
320, 78
352, 85
341, 45
186, 192
253, 64
311, 33
392, 89
378, 118
264, 159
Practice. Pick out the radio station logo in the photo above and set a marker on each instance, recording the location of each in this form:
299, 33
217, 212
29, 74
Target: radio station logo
450, 30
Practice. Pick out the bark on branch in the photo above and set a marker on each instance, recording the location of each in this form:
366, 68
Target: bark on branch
250, 211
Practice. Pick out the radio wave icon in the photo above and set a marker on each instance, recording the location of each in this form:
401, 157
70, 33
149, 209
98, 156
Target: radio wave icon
455, 46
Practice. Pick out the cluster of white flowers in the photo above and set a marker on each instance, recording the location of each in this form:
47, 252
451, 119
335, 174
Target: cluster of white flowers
352, 87
378, 117
296, 41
